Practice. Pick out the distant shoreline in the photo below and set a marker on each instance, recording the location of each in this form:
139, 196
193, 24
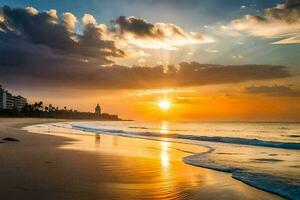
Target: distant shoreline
39, 110
59, 118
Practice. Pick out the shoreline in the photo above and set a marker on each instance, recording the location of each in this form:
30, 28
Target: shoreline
257, 180
123, 168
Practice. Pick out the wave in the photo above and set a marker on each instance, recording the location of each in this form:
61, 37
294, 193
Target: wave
269, 183
243, 141
231, 140
139, 127
263, 181
159, 129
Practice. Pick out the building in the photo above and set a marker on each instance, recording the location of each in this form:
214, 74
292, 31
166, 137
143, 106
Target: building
9, 102
98, 110
19, 102
2, 98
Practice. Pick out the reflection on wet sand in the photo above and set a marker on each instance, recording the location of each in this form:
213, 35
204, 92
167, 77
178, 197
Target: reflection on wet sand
126, 168
164, 154
97, 139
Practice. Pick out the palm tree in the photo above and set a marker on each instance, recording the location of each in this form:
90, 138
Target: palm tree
50, 107
40, 106
35, 106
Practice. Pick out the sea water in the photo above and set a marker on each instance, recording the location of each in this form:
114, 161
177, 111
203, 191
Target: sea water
264, 155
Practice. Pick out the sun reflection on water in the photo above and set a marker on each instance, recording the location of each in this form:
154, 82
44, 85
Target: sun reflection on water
164, 128
164, 154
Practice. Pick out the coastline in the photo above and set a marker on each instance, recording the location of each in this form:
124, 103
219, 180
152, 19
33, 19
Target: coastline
62, 166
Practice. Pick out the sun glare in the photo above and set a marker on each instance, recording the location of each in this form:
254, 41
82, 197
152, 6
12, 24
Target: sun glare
164, 105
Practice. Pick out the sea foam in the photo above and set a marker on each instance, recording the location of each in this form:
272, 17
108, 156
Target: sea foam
231, 140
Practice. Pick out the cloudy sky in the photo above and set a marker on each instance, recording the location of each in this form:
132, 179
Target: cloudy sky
213, 59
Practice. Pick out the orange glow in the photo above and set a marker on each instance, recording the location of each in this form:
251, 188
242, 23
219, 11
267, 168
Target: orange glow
205, 103
164, 104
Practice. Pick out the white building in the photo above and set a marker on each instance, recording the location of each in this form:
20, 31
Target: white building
8, 101
19, 102
2, 98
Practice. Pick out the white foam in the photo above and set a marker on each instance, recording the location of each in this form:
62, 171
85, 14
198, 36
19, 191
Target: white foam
231, 140
263, 181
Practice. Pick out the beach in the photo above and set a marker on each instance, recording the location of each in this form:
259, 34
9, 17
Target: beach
55, 164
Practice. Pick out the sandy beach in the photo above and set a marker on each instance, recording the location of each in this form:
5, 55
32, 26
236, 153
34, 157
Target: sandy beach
59, 165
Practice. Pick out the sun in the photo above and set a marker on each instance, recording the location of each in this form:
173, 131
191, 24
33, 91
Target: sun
164, 104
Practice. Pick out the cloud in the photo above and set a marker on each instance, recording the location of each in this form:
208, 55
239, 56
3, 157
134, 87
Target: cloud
290, 40
32, 10
276, 90
194, 73
26, 33
74, 74
282, 21
238, 56
53, 14
133, 53
212, 50
41, 49
141, 61
143, 34
70, 21
89, 19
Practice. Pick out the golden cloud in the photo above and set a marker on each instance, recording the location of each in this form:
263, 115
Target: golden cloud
143, 34
282, 21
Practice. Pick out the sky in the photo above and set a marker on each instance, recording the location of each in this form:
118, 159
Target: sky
212, 59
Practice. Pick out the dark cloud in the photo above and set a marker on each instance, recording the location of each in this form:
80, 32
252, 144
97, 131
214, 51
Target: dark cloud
288, 12
202, 74
137, 26
143, 34
276, 90
24, 34
142, 28
71, 73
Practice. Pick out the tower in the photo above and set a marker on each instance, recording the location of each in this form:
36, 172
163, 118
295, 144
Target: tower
98, 110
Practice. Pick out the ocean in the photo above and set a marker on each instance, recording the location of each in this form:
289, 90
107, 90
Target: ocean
265, 155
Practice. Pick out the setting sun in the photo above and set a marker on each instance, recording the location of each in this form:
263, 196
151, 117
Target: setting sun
164, 105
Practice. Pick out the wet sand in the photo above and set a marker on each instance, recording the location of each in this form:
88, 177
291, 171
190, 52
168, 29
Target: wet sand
60, 165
